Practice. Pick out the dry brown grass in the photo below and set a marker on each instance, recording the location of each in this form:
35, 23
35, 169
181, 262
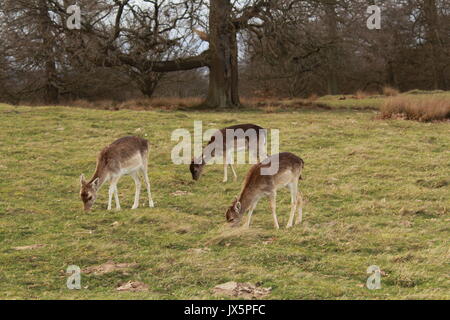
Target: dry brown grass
271, 105
162, 102
413, 108
360, 94
390, 92
139, 104
313, 97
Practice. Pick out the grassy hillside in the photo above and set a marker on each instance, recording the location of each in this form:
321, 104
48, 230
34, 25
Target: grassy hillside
377, 193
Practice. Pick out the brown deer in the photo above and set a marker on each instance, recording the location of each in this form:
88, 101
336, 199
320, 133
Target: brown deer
257, 185
125, 156
248, 137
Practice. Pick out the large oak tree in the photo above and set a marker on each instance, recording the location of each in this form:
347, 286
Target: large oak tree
221, 57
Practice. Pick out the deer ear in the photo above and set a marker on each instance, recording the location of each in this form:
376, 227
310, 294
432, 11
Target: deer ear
96, 183
238, 207
82, 180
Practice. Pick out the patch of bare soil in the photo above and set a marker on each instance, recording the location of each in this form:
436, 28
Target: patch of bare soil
107, 267
31, 247
134, 286
241, 290
199, 250
269, 241
179, 193
229, 235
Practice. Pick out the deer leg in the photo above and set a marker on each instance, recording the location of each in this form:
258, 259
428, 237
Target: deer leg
299, 207
110, 195
147, 182
113, 192
234, 172
253, 156
293, 188
116, 196
273, 207
262, 145
137, 182
250, 214
225, 172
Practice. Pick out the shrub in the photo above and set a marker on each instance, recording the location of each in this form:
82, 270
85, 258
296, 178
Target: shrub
390, 92
313, 97
416, 108
360, 94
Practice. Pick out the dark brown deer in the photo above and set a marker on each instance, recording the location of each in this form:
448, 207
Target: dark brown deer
125, 156
257, 185
224, 147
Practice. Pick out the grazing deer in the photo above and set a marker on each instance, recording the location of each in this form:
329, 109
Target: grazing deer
125, 156
248, 137
257, 185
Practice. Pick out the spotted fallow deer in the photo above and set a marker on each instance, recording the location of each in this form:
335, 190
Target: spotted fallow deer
242, 135
257, 185
125, 156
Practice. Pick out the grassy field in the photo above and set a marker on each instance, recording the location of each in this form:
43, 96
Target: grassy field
377, 193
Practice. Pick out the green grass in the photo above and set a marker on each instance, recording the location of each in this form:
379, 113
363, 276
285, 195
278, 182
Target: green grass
377, 194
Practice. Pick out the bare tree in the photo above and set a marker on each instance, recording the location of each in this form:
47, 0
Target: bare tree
221, 57
435, 43
125, 48
28, 26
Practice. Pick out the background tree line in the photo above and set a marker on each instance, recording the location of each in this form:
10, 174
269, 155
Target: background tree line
219, 49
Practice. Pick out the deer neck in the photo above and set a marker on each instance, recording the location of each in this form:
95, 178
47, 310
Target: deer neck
201, 161
246, 199
101, 174
209, 151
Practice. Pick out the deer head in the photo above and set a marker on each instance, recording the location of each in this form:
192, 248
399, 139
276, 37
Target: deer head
234, 214
88, 192
196, 169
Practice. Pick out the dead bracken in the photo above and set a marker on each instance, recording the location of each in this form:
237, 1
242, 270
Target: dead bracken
179, 193
134, 286
199, 250
241, 290
30, 247
108, 267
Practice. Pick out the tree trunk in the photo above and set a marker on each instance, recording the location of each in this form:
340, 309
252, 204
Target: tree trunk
148, 82
51, 91
223, 77
391, 78
435, 44
332, 52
